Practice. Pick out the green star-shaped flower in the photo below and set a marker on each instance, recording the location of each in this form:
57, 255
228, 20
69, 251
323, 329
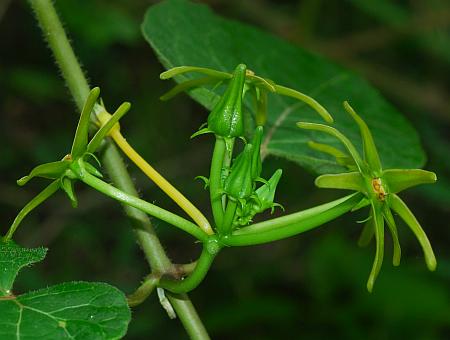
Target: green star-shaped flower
65, 172
380, 188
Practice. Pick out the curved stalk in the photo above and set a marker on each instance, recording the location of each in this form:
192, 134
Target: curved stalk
38, 199
195, 278
143, 291
142, 205
293, 224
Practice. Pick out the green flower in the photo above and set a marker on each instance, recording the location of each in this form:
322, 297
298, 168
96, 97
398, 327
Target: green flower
380, 188
66, 171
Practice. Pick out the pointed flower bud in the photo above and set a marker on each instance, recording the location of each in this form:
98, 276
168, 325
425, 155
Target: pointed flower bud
239, 184
226, 119
266, 194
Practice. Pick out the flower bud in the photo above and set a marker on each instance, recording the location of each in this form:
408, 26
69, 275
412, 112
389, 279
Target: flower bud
226, 119
239, 184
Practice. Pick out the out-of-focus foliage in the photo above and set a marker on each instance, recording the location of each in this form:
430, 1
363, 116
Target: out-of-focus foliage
310, 286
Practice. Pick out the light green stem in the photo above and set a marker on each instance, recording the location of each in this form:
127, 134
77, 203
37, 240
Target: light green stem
144, 206
194, 279
59, 44
79, 88
215, 180
228, 218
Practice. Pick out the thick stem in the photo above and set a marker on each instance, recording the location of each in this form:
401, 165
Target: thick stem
59, 44
78, 85
150, 243
215, 180
144, 206
286, 226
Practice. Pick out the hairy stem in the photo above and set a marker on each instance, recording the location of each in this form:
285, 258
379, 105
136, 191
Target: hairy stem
79, 88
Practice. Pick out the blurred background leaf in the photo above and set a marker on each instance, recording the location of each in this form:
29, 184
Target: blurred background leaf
222, 44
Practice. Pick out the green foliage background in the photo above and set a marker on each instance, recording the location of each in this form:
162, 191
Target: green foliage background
309, 286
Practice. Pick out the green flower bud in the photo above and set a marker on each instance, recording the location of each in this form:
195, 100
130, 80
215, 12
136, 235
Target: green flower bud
226, 119
239, 184
266, 194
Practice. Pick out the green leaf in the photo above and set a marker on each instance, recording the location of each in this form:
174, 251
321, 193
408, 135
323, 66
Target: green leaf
199, 38
12, 259
71, 310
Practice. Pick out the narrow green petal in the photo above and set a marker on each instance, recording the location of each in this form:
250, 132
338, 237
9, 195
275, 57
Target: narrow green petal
367, 233
187, 85
105, 129
341, 157
346, 180
184, 69
38, 199
378, 223
50, 170
285, 91
328, 149
387, 214
370, 150
402, 209
262, 82
81, 135
401, 179
344, 140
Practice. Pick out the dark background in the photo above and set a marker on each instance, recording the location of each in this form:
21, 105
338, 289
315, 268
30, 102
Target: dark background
309, 286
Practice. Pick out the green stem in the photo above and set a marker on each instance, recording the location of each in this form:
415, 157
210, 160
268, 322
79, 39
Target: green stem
143, 291
228, 218
150, 243
142, 205
215, 180
195, 278
41, 197
293, 224
59, 44
147, 238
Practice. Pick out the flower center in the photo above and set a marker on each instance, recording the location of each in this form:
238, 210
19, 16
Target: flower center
378, 188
